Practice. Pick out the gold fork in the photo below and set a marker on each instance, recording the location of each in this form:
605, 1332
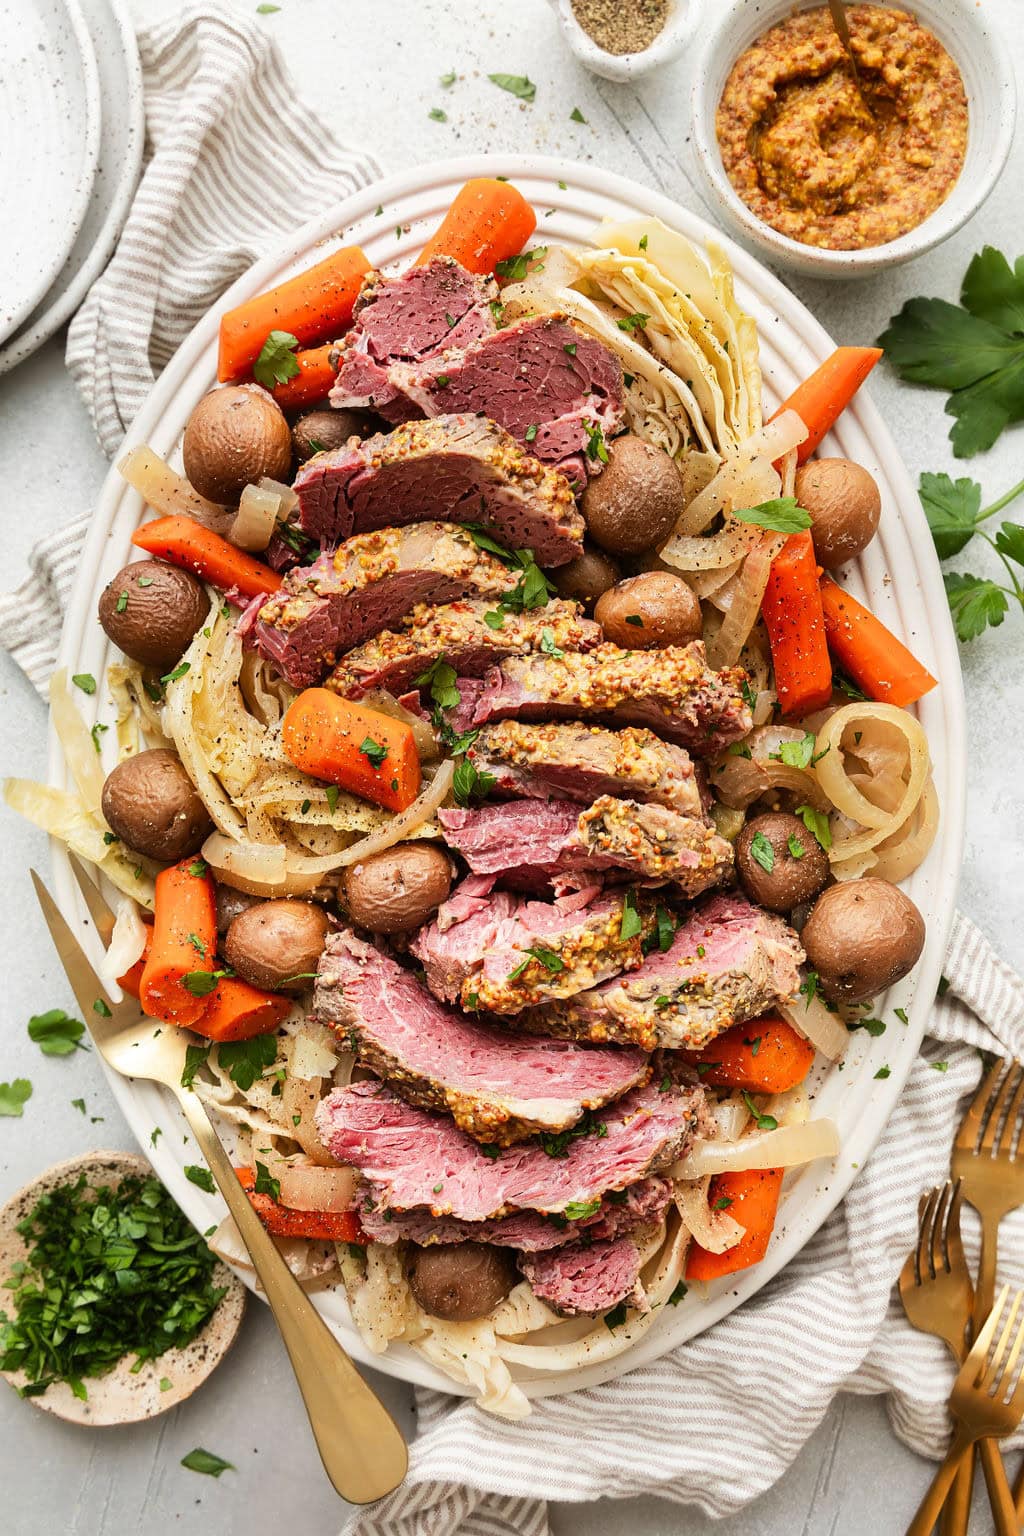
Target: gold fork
361, 1447
987, 1399
937, 1296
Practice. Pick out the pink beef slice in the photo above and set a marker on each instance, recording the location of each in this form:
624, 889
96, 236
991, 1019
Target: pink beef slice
508, 953
404, 1153
457, 469
541, 379
498, 1087
672, 692
460, 632
409, 319
729, 962
587, 1278
521, 840
364, 586
572, 760
640, 1205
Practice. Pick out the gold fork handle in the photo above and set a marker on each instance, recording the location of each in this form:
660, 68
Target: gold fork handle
999, 1495
956, 1512
1018, 1494
985, 1288
361, 1446
931, 1504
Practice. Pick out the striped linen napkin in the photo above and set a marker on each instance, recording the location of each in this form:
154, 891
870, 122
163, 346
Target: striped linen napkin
236, 161
720, 1419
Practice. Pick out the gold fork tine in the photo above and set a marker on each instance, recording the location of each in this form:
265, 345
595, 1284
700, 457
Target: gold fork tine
938, 1246
954, 1245
995, 1118
926, 1216
1013, 1117
993, 1367
1010, 1380
99, 911
974, 1365
85, 983
967, 1136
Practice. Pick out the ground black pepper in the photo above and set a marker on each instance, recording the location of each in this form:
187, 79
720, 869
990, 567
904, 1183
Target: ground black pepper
621, 26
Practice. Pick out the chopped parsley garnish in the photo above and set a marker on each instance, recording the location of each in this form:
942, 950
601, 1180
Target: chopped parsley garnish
579, 1210
596, 449
795, 846
514, 268
783, 515
100, 1007
438, 115
817, 824
85, 681
635, 322
901, 1014
763, 1122
547, 643
722, 1203
448, 79
547, 958
678, 1294
179, 671
517, 85
469, 784
762, 851
331, 794
202, 1177
665, 925
570, 347
616, 1317
373, 750
206, 1462
440, 680
122, 602
55, 1033
883, 1072
197, 868
939, 1066
246, 1060
14, 1096
634, 618
494, 619
873, 1027
265, 1185
96, 732
631, 923
642, 242
109, 1272
304, 808
276, 363
202, 983
749, 694
490, 1149
530, 433
497, 309
809, 987
576, 116
556, 1143
662, 1002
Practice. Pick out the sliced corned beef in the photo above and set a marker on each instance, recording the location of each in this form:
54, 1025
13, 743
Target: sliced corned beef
544, 381
457, 469
408, 319
639, 1205
587, 1278
362, 587
499, 1087
511, 953
405, 1153
729, 961
472, 636
575, 761
522, 838
671, 691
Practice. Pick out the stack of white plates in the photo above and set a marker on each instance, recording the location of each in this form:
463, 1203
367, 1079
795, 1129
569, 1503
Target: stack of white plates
72, 126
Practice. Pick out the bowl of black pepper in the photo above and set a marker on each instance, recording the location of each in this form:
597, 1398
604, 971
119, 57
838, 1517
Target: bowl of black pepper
624, 39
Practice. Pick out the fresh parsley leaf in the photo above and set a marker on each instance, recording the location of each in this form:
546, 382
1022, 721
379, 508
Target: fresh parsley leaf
373, 750
762, 850
939, 1066
616, 1317
817, 824
634, 322
202, 983
576, 116
437, 115
246, 1060
809, 987
265, 1185
883, 1072
85, 681
951, 508
55, 1033
722, 1203
331, 794
468, 784
596, 449
974, 350
797, 754
795, 846
783, 515
547, 643
276, 363
448, 79
678, 1294
78, 1104
873, 1027
763, 1122
631, 923
518, 85
263, 10
206, 1462
665, 925
202, 1177
547, 958
901, 1014
96, 732
514, 268
440, 680
14, 1096
195, 1057
579, 1210
975, 603
1010, 542
557, 1143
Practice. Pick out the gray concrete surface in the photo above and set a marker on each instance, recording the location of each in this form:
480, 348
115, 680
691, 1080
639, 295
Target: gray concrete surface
375, 64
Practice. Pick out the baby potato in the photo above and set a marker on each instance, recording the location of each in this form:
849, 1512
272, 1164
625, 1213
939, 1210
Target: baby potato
633, 504
844, 505
648, 611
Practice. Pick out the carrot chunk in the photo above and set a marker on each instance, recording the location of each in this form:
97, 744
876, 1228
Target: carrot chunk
820, 400
791, 609
359, 749
184, 944
752, 1199
284, 1221
313, 381
488, 222
182, 541
879, 664
316, 305
237, 1011
763, 1056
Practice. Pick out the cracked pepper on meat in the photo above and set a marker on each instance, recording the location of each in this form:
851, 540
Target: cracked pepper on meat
831, 164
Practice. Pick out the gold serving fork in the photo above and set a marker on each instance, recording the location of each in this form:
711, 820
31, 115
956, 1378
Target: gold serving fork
987, 1399
937, 1296
361, 1446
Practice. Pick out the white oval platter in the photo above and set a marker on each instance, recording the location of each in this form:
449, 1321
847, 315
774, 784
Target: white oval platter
899, 576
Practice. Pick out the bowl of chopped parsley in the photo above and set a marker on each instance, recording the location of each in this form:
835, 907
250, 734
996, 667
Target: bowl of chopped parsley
112, 1307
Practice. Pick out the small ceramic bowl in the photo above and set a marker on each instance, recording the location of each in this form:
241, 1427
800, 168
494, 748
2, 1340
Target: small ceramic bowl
629, 66
985, 62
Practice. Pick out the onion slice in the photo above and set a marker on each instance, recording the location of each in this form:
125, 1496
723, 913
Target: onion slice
306, 1188
787, 1147
256, 518
824, 1029
716, 1231
167, 492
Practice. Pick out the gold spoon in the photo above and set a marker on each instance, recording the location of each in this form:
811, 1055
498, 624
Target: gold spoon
838, 12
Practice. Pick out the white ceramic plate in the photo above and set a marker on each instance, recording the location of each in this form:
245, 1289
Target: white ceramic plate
120, 157
50, 110
912, 603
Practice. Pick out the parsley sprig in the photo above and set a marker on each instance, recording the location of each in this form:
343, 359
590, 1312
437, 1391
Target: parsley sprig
955, 516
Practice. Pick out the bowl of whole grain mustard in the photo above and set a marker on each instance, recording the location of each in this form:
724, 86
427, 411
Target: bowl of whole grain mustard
834, 174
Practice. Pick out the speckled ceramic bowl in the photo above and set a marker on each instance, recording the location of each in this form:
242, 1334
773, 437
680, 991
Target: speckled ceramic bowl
629, 66
985, 61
